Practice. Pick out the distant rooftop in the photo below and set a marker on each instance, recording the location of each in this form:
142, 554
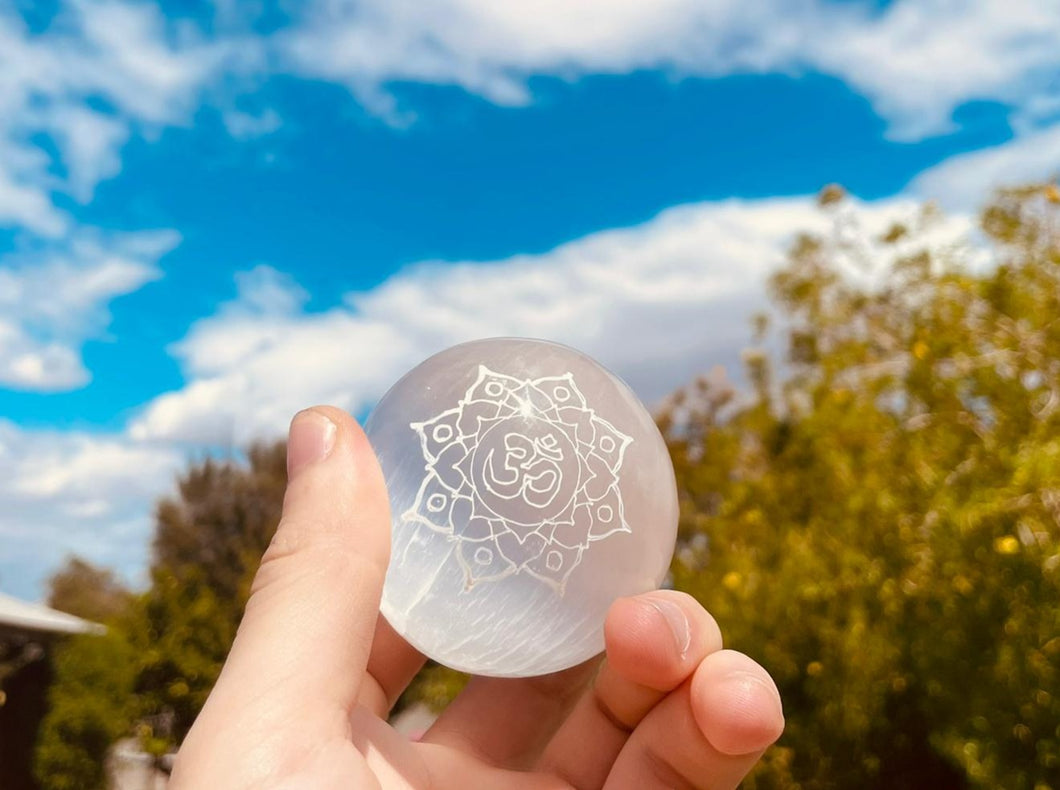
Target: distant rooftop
25, 616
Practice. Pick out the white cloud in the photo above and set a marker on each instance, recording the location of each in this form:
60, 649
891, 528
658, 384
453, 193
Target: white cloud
91, 142
126, 51
24, 197
964, 181
73, 492
137, 70
54, 298
656, 303
28, 206
917, 60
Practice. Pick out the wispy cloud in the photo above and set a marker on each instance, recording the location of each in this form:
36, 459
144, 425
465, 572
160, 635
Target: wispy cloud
244, 125
100, 70
54, 297
652, 302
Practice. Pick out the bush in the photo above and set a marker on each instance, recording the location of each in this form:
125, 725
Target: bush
882, 530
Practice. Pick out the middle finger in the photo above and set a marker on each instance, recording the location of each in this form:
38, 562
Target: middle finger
654, 643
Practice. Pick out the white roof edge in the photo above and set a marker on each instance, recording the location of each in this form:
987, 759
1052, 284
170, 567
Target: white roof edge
21, 614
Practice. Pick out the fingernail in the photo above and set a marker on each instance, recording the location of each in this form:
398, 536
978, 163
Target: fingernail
675, 619
745, 712
311, 438
742, 685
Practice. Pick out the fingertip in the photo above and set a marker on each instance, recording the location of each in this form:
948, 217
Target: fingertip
336, 495
352, 437
329, 433
658, 638
340, 417
348, 430
310, 440
736, 704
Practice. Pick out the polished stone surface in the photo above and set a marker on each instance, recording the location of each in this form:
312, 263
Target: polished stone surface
529, 488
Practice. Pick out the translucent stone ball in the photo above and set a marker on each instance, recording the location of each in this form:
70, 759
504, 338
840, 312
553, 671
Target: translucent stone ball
529, 489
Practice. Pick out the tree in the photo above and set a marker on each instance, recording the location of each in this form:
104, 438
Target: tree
91, 705
882, 529
222, 520
207, 545
90, 701
88, 591
164, 648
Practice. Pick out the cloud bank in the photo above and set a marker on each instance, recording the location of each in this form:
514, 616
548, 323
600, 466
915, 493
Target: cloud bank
916, 60
104, 70
656, 303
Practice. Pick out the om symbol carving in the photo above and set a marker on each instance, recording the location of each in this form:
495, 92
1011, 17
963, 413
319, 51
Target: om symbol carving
523, 475
522, 470
528, 471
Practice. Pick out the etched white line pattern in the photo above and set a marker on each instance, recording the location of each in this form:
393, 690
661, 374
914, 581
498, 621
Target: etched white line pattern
523, 475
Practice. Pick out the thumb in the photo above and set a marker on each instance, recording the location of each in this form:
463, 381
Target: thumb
308, 626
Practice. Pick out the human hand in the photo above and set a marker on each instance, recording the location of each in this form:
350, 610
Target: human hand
301, 703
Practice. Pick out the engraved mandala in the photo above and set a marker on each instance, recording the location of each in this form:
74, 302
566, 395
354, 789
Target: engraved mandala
523, 475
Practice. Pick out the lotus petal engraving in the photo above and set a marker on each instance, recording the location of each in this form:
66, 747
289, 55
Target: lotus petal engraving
523, 474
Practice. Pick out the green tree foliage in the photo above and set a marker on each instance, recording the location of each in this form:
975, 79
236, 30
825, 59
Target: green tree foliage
90, 707
207, 546
90, 702
182, 631
164, 648
882, 529
221, 522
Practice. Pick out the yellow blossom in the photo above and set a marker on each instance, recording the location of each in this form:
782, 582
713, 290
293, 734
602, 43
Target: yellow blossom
1007, 545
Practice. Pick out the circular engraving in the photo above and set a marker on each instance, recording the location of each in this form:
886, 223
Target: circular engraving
534, 471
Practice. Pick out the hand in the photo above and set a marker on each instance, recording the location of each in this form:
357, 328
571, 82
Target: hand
302, 701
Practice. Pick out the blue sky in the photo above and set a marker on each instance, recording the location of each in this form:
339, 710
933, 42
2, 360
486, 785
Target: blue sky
213, 214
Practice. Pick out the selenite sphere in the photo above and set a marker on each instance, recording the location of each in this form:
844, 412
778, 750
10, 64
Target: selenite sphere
529, 489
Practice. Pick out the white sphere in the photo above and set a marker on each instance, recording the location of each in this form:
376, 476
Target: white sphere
529, 489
